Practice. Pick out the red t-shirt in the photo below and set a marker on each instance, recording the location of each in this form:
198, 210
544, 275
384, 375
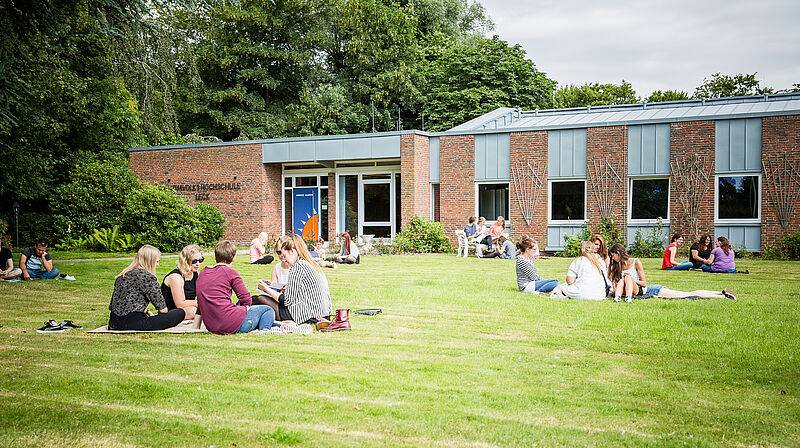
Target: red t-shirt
665, 263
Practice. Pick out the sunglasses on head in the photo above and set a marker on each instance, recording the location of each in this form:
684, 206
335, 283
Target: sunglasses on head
198, 260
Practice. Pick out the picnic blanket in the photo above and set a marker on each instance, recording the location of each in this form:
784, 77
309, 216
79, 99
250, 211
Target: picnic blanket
183, 327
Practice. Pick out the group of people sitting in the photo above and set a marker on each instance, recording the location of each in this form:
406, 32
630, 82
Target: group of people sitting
599, 273
492, 239
35, 263
349, 252
296, 298
702, 256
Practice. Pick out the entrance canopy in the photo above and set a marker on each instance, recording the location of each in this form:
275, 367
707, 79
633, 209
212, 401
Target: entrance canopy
326, 150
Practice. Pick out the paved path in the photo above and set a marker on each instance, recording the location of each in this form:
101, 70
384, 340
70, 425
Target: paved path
205, 254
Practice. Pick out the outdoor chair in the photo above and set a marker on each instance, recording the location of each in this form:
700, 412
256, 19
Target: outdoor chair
463, 244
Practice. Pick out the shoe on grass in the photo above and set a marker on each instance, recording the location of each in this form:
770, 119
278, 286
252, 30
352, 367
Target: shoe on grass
271, 330
628, 299
51, 326
294, 328
69, 325
729, 294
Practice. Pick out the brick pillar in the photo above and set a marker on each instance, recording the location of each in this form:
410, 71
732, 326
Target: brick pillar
530, 147
270, 209
687, 138
780, 139
607, 145
415, 172
457, 182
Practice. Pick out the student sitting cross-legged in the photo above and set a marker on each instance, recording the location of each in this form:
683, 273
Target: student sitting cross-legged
671, 252
214, 287
586, 277
527, 278
134, 289
179, 287
721, 258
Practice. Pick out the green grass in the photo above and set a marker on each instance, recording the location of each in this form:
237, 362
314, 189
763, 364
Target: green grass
459, 357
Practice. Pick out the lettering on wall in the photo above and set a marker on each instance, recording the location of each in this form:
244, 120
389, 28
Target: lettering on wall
202, 190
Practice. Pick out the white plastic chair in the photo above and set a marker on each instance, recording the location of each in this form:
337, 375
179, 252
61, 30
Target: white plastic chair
463, 245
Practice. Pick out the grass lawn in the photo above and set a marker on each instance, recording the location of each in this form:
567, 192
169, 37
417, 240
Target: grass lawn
458, 358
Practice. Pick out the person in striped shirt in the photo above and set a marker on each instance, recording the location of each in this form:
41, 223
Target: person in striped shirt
527, 278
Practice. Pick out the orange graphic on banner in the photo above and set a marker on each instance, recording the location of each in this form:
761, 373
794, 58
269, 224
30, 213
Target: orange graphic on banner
311, 228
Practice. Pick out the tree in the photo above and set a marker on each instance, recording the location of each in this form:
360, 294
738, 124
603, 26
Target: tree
463, 80
667, 95
595, 94
720, 86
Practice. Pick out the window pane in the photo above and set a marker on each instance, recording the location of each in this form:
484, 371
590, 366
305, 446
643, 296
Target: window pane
738, 197
309, 181
378, 231
323, 180
287, 182
350, 196
567, 200
650, 199
376, 202
323, 213
493, 200
435, 202
376, 176
397, 204
287, 219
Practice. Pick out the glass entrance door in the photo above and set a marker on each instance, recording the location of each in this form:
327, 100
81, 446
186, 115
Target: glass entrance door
367, 204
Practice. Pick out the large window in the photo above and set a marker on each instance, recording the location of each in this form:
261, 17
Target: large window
738, 197
567, 200
493, 200
649, 199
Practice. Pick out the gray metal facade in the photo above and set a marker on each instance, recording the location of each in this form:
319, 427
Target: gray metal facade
434, 165
648, 150
738, 145
492, 157
566, 154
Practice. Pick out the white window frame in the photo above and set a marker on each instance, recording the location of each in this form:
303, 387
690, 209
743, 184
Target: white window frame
665, 219
477, 205
717, 220
358, 171
562, 222
319, 173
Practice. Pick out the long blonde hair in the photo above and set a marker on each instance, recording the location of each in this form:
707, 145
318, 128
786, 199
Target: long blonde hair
294, 242
185, 258
264, 238
145, 258
587, 250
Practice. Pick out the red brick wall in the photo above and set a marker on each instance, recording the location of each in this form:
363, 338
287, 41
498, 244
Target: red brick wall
457, 181
687, 138
780, 139
331, 236
603, 146
530, 147
252, 208
415, 197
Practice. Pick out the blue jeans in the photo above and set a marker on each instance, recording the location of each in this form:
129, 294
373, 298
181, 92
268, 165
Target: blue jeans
707, 268
258, 316
682, 266
544, 285
38, 273
654, 289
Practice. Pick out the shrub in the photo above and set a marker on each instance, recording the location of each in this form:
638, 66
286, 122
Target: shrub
111, 240
572, 243
211, 225
422, 235
92, 199
787, 247
648, 244
610, 232
156, 215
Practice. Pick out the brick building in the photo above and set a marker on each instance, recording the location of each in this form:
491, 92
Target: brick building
727, 166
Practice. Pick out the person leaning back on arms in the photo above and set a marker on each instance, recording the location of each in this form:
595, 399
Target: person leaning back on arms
36, 263
7, 271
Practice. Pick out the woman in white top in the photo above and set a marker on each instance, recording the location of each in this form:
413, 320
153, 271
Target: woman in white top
586, 278
628, 275
258, 250
349, 253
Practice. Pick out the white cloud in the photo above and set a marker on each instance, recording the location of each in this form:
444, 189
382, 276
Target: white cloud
655, 45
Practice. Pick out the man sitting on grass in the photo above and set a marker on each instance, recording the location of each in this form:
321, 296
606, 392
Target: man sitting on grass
36, 263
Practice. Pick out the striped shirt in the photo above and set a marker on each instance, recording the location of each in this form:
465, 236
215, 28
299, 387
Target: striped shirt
526, 272
307, 296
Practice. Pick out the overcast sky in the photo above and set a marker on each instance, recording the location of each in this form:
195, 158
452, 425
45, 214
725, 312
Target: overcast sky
654, 44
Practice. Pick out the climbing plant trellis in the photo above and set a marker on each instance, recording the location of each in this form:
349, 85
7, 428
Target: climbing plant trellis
605, 182
690, 182
782, 182
528, 180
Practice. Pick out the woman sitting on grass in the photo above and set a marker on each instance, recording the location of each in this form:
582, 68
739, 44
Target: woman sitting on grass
669, 262
349, 253
180, 285
305, 298
700, 251
214, 287
628, 275
527, 278
586, 277
721, 258
258, 250
601, 249
134, 289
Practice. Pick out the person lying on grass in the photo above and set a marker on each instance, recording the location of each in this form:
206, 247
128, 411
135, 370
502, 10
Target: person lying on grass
134, 289
179, 287
214, 287
627, 274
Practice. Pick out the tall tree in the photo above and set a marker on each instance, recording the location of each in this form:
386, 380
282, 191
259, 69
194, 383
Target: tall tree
719, 86
667, 95
466, 79
595, 94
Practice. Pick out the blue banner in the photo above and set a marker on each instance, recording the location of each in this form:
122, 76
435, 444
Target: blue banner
305, 216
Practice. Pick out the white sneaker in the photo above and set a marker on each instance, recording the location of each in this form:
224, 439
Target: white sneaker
294, 328
628, 299
618, 299
271, 330
69, 277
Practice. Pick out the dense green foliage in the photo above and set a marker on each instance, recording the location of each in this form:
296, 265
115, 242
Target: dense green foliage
595, 94
649, 244
787, 248
421, 235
